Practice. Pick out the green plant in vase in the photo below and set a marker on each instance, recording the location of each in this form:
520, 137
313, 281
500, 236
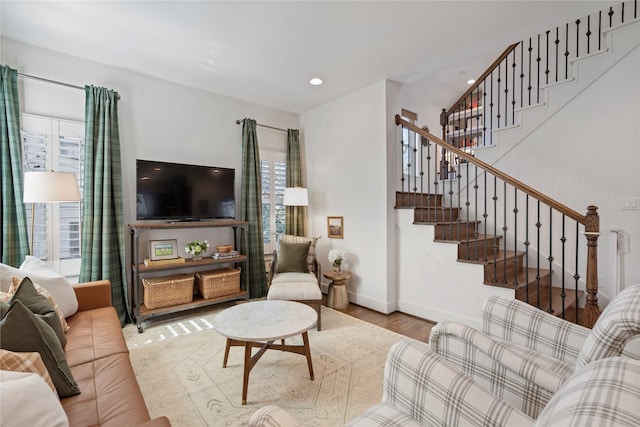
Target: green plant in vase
196, 248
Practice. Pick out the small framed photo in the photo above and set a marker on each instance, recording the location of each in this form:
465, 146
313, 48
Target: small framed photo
163, 249
335, 227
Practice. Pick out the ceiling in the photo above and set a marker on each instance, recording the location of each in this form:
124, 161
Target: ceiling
265, 52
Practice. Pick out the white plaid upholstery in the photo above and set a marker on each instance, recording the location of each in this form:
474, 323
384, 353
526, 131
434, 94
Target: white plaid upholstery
618, 324
604, 393
422, 389
523, 355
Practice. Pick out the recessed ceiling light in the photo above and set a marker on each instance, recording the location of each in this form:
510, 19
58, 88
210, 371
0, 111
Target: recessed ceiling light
316, 81
470, 81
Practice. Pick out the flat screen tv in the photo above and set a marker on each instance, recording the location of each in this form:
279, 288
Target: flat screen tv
179, 192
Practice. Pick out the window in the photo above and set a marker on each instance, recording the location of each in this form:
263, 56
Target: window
274, 177
55, 144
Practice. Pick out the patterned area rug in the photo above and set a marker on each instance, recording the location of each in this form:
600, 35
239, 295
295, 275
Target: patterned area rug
179, 367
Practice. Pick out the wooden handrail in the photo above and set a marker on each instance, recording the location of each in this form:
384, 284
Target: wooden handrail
576, 216
478, 82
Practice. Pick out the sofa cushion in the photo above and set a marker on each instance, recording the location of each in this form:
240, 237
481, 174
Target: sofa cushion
94, 334
110, 394
15, 284
23, 331
27, 294
286, 287
28, 401
292, 257
30, 362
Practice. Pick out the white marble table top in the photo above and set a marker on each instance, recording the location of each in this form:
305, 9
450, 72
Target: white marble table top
263, 321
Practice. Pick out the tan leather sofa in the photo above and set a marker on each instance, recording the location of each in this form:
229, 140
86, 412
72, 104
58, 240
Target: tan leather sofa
99, 359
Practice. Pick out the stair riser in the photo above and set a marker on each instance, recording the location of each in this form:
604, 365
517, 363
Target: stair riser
417, 199
460, 231
477, 250
501, 274
435, 215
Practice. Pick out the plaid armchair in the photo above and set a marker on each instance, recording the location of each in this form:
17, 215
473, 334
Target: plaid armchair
422, 389
524, 355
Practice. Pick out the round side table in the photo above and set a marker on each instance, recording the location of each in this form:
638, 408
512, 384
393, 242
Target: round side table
337, 296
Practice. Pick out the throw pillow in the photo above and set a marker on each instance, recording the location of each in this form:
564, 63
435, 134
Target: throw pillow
27, 401
45, 293
292, 257
30, 362
23, 331
311, 256
27, 294
53, 281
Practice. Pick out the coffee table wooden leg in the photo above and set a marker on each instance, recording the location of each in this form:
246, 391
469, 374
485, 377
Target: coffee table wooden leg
226, 353
247, 368
307, 352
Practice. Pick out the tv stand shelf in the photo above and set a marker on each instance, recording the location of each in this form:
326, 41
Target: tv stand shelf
139, 270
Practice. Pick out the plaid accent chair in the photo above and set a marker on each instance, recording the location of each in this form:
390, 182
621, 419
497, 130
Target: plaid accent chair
301, 285
422, 389
524, 355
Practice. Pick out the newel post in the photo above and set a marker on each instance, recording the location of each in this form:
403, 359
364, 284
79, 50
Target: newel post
592, 232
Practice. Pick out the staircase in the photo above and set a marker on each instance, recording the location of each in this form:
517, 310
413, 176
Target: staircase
503, 268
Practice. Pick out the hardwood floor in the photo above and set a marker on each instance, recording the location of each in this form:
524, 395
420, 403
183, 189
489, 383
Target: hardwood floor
404, 324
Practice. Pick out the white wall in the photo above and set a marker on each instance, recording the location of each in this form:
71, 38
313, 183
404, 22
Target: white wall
159, 120
346, 168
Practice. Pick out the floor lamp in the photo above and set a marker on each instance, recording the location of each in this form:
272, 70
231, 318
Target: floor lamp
49, 187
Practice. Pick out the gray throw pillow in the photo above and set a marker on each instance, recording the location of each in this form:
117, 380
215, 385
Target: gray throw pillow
292, 257
23, 331
39, 305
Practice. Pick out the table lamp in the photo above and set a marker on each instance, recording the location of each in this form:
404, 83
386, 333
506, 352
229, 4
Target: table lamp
49, 187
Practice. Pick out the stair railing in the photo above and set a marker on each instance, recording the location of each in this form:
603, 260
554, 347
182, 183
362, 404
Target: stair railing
516, 79
527, 231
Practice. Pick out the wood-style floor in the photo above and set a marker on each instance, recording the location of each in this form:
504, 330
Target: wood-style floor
404, 324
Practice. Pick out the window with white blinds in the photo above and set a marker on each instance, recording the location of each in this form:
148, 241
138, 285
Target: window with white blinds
55, 144
274, 177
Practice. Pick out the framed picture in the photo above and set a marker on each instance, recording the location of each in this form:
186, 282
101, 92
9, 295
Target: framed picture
163, 249
335, 227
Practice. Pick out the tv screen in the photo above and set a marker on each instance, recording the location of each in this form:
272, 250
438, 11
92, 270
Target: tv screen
180, 192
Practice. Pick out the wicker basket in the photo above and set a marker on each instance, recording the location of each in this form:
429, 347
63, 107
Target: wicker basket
217, 283
167, 290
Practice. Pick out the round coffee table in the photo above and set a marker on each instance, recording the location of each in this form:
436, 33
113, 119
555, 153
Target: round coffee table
260, 324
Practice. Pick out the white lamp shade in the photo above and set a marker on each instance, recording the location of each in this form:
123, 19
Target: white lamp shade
46, 187
296, 196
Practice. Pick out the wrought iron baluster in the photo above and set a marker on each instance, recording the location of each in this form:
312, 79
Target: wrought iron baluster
491, 107
402, 148
499, 81
504, 232
576, 276
484, 115
515, 237
546, 71
484, 214
521, 74
538, 225
538, 81
557, 43
428, 178
599, 30
506, 92
550, 259
563, 294
527, 243
495, 230
513, 90
577, 38
611, 12
588, 34
566, 51
622, 14
529, 87
475, 210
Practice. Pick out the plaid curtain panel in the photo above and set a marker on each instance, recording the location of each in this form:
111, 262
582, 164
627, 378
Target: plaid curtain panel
255, 279
103, 240
14, 243
294, 221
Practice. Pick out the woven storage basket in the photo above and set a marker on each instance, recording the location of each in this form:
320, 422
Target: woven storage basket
167, 290
217, 283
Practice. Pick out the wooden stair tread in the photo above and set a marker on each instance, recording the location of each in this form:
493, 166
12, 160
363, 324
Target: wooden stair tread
521, 279
556, 301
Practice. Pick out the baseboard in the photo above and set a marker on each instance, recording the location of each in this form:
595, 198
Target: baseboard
435, 315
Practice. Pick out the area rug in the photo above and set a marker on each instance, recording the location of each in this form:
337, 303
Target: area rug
179, 367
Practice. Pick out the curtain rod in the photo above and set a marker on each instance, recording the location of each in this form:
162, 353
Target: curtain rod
55, 82
50, 81
264, 126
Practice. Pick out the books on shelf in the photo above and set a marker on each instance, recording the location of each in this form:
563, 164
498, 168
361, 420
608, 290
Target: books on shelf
223, 255
178, 260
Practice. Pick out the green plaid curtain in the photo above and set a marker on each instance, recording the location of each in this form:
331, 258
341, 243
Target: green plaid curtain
103, 240
255, 279
294, 214
14, 244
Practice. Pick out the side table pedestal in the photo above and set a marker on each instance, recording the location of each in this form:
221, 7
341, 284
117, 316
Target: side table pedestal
337, 296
